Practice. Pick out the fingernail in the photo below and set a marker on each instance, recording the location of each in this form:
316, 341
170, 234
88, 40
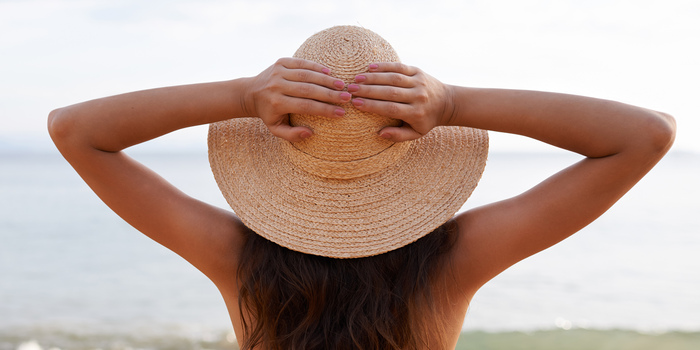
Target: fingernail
385, 135
339, 84
305, 134
345, 96
360, 78
353, 88
358, 102
339, 112
373, 66
326, 70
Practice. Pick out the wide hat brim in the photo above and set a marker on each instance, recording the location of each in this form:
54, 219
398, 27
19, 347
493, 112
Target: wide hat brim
339, 218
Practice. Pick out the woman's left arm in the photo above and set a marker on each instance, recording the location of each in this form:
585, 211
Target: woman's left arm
92, 136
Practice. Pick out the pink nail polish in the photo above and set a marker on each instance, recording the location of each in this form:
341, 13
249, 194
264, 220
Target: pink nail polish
360, 78
385, 135
373, 66
339, 84
358, 102
353, 88
326, 71
345, 96
305, 134
339, 112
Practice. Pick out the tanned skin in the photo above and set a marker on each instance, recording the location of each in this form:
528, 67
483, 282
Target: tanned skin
620, 143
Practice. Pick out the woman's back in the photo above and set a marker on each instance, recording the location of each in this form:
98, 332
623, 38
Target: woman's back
391, 300
433, 147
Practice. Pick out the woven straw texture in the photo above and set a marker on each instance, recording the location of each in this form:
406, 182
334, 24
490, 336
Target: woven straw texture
344, 192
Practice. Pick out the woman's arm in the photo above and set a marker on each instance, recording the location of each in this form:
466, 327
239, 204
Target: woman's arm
91, 136
621, 144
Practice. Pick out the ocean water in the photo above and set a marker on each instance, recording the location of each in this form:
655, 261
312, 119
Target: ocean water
74, 276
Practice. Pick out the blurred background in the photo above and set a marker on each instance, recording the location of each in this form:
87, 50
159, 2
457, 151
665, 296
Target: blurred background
73, 275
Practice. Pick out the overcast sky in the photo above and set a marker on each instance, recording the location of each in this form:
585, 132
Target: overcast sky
59, 52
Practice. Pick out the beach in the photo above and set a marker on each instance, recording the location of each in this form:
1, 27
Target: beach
579, 339
75, 276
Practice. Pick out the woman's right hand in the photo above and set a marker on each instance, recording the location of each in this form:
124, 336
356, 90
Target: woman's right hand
403, 92
293, 85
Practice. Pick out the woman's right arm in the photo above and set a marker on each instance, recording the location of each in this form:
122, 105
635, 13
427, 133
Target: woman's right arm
620, 143
92, 136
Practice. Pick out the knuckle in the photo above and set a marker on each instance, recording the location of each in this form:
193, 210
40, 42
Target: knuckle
274, 87
303, 75
304, 90
404, 137
422, 114
275, 104
333, 95
392, 109
279, 132
275, 74
394, 94
304, 106
274, 131
281, 61
396, 79
274, 84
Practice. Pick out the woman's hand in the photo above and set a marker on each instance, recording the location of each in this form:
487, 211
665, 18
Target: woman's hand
294, 85
403, 92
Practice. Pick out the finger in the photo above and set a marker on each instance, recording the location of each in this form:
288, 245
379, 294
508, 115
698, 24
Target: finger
389, 109
311, 77
298, 63
290, 133
312, 107
383, 92
311, 72
379, 78
396, 67
312, 91
399, 133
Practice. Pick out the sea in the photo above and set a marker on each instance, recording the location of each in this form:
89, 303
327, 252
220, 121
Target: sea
73, 275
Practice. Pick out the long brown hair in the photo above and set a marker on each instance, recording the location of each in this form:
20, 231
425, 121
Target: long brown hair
290, 300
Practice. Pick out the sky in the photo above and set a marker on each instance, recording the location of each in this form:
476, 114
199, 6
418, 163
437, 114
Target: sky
59, 52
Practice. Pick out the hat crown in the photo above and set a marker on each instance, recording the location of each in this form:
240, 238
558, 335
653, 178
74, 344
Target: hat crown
347, 51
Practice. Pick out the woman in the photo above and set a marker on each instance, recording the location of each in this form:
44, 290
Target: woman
405, 289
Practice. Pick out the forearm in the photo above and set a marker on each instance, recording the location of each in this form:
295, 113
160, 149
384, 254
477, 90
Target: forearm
591, 127
117, 122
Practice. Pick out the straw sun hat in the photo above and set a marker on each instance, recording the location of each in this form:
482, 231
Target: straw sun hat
345, 192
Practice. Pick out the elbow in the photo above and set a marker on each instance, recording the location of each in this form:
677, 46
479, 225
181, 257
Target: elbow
662, 132
650, 136
59, 127
52, 122
55, 125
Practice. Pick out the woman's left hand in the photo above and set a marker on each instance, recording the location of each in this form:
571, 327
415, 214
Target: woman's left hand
403, 92
293, 85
